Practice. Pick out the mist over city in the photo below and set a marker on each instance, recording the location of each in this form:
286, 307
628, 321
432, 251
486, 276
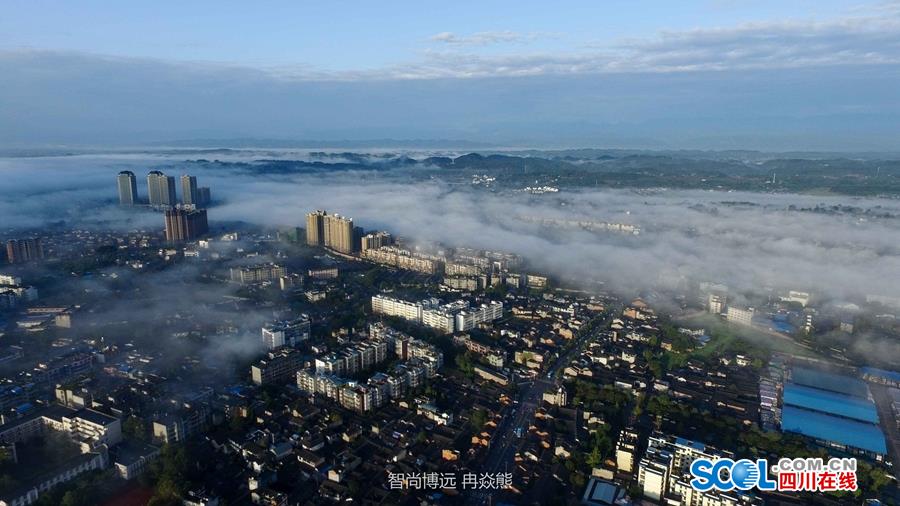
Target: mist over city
745, 240
589, 253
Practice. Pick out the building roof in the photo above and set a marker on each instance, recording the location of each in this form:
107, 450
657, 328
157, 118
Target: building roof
56, 412
129, 452
601, 492
95, 417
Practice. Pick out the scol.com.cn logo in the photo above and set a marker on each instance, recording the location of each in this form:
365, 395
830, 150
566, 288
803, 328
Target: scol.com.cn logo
800, 475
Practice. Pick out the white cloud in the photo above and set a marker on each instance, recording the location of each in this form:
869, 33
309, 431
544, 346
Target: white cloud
486, 38
860, 40
863, 37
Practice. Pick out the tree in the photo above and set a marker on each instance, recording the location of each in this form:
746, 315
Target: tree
479, 418
578, 480
135, 427
464, 363
162, 501
6, 457
7, 482
635, 491
170, 474
237, 422
168, 488
594, 458
75, 497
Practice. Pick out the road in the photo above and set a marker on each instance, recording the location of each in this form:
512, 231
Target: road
505, 443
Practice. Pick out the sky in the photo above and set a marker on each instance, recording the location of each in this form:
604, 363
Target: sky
717, 74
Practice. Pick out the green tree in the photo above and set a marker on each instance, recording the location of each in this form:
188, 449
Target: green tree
594, 458
135, 427
479, 418
76, 497
464, 363
7, 482
578, 480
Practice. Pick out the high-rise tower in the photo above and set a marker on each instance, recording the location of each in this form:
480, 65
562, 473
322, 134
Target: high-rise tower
189, 193
127, 188
339, 233
185, 224
315, 228
332, 231
161, 189
19, 251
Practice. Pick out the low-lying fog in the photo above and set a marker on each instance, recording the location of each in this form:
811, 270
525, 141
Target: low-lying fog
745, 240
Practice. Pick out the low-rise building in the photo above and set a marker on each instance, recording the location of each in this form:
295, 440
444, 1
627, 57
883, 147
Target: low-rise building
496, 376
286, 332
257, 273
82, 425
132, 458
190, 420
740, 316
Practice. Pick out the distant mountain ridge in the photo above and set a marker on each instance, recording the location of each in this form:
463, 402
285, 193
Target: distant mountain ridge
312, 144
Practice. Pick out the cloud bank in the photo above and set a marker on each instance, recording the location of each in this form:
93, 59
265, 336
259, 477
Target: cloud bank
747, 241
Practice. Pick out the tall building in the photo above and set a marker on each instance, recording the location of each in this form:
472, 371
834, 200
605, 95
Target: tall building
19, 251
203, 197
127, 188
653, 473
358, 234
626, 448
189, 194
185, 224
332, 231
161, 189
339, 233
315, 228
153, 196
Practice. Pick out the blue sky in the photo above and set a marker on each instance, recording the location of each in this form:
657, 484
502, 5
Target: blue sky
345, 35
650, 72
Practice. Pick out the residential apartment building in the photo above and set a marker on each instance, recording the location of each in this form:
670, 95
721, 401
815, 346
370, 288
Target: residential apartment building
277, 367
286, 332
257, 273
663, 474
127, 186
